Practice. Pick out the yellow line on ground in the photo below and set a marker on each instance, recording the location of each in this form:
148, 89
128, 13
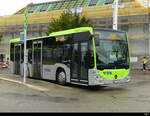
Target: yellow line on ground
28, 85
10, 80
36, 87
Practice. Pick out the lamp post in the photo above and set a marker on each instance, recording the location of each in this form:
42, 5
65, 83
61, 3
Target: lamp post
115, 15
25, 44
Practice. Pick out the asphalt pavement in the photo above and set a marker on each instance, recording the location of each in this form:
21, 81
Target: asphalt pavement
47, 96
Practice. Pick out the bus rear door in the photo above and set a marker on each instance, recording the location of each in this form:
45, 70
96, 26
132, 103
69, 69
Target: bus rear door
17, 59
37, 59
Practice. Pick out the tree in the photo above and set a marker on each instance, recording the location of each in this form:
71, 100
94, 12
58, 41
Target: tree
68, 21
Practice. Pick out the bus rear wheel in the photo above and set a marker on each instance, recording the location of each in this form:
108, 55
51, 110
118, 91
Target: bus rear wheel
61, 77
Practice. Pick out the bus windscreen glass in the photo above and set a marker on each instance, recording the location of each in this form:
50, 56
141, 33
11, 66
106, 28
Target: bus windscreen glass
111, 50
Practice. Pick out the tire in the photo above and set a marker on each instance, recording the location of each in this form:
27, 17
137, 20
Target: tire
61, 77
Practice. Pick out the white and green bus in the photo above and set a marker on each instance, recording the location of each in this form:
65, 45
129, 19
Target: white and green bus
85, 56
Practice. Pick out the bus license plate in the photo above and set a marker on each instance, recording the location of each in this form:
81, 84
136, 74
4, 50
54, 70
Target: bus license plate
116, 81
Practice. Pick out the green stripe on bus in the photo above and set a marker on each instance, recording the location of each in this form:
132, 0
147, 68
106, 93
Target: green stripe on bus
121, 73
65, 32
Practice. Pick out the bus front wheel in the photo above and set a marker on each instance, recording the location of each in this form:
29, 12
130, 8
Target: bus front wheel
61, 77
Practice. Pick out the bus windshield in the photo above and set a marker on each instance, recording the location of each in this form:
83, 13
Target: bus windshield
111, 50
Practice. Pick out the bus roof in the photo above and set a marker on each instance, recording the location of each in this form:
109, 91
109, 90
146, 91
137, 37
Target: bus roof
81, 29
59, 33
65, 32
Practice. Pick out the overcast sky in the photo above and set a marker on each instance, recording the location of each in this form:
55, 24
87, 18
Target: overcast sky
8, 7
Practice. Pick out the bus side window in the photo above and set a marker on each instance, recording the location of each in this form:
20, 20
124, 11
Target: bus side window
63, 50
67, 48
48, 51
81, 36
22, 53
59, 52
12, 52
67, 52
29, 47
91, 54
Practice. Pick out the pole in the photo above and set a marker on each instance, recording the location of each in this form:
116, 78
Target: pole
25, 63
25, 45
148, 8
115, 15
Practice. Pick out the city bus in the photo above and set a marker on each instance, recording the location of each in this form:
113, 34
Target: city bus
84, 56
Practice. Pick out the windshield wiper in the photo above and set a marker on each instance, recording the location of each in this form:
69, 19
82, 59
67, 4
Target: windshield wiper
106, 66
122, 65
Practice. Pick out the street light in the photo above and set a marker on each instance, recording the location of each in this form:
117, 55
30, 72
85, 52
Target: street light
25, 43
115, 15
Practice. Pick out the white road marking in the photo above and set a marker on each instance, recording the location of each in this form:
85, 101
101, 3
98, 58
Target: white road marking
25, 84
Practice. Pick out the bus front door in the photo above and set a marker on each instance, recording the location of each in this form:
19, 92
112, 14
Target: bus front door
17, 59
37, 59
79, 70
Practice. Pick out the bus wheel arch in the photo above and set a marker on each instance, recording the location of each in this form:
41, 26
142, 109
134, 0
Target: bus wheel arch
60, 76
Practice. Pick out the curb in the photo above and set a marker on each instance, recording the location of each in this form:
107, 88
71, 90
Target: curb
39, 88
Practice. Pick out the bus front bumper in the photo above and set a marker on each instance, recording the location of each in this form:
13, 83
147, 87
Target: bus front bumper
96, 79
100, 81
117, 81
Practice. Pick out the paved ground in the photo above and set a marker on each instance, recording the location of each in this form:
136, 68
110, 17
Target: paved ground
44, 96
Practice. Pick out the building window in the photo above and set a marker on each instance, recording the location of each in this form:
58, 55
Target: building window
93, 2
93, 21
124, 28
145, 28
44, 7
125, 20
109, 1
109, 27
32, 9
12, 35
121, 1
101, 22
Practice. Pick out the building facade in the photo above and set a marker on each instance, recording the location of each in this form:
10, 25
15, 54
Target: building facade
133, 17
